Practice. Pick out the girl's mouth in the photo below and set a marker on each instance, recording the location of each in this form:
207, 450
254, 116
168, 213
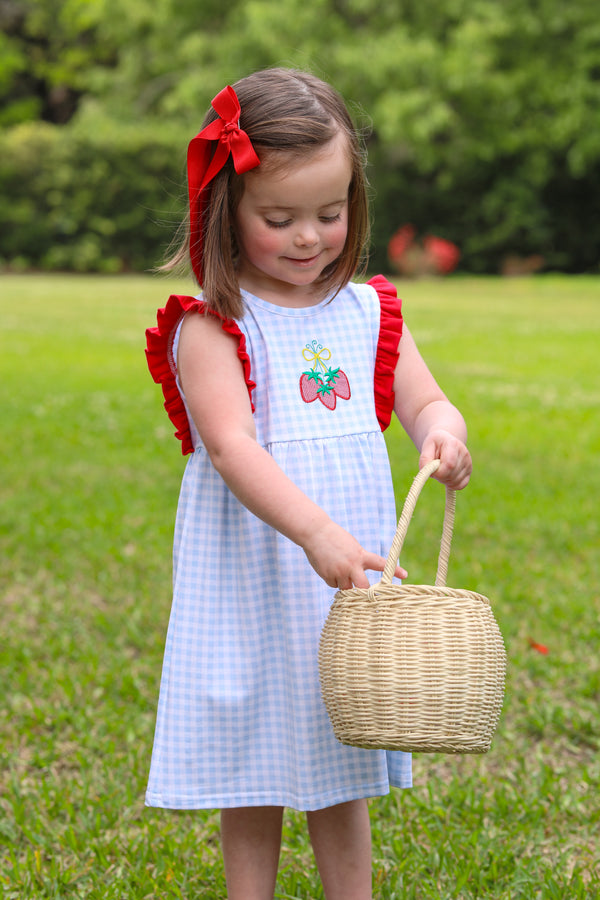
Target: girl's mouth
306, 261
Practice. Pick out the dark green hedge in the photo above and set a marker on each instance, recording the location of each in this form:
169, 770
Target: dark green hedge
89, 201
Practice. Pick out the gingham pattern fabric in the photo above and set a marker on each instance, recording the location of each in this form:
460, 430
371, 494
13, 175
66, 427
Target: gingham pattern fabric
240, 717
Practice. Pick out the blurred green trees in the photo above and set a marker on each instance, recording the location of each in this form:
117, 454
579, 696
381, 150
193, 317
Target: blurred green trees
484, 117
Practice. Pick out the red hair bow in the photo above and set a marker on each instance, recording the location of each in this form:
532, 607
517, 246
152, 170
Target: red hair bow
203, 164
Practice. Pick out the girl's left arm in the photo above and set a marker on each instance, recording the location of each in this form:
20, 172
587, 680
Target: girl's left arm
436, 427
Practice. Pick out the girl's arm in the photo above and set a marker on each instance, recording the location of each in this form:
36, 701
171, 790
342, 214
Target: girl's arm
434, 424
213, 382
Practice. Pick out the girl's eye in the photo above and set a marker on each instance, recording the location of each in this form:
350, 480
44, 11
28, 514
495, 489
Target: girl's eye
326, 219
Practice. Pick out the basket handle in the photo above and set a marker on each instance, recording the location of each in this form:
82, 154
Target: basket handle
407, 511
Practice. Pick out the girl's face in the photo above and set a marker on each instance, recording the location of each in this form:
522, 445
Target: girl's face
291, 224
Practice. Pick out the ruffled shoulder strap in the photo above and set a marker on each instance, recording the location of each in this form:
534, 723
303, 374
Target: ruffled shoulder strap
162, 365
390, 332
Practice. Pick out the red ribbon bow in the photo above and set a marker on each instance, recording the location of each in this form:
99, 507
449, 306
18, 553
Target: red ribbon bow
203, 164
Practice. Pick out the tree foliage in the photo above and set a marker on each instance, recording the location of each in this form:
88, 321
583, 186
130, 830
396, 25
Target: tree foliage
49, 50
483, 116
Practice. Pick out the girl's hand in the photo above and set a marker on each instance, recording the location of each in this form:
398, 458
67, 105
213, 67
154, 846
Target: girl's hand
340, 560
455, 460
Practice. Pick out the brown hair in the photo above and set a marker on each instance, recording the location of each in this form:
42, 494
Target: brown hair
287, 114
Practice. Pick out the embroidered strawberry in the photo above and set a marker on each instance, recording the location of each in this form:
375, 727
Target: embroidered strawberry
341, 385
309, 386
327, 395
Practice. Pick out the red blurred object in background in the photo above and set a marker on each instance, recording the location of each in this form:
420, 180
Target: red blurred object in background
401, 241
541, 648
412, 258
445, 253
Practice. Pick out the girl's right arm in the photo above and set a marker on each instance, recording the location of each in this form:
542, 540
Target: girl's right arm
215, 390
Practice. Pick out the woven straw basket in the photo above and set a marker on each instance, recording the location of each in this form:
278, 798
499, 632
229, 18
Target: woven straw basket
413, 667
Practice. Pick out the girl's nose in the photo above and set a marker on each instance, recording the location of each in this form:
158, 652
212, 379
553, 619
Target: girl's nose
306, 236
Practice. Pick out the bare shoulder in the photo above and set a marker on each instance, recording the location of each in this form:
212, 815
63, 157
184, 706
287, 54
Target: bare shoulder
202, 340
200, 327
212, 377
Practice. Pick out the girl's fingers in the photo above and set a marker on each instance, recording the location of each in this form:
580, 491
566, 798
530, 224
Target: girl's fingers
455, 460
341, 561
374, 563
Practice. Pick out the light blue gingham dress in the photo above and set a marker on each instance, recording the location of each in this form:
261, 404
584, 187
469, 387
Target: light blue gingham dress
240, 717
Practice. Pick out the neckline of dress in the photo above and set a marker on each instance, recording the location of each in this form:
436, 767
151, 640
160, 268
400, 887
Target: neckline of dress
294, 311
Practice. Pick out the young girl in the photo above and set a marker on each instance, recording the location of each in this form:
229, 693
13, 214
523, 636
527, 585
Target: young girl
279, 379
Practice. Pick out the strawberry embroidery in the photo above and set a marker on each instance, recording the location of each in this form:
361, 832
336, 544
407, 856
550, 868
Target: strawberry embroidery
322, 382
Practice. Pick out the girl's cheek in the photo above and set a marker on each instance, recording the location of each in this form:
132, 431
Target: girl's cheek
341, 233
268, 239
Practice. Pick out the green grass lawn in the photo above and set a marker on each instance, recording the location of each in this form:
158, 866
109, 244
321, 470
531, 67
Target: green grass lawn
90, 476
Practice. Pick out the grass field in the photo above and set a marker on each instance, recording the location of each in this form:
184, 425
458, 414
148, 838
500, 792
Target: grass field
90, 476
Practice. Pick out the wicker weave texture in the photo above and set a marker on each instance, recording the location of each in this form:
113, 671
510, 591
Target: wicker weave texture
411, 667
415, 668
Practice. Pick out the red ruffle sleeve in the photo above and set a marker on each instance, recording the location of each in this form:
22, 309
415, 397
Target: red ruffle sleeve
163, 368
390, 332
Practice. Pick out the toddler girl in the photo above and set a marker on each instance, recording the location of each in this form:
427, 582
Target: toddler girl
280, 377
